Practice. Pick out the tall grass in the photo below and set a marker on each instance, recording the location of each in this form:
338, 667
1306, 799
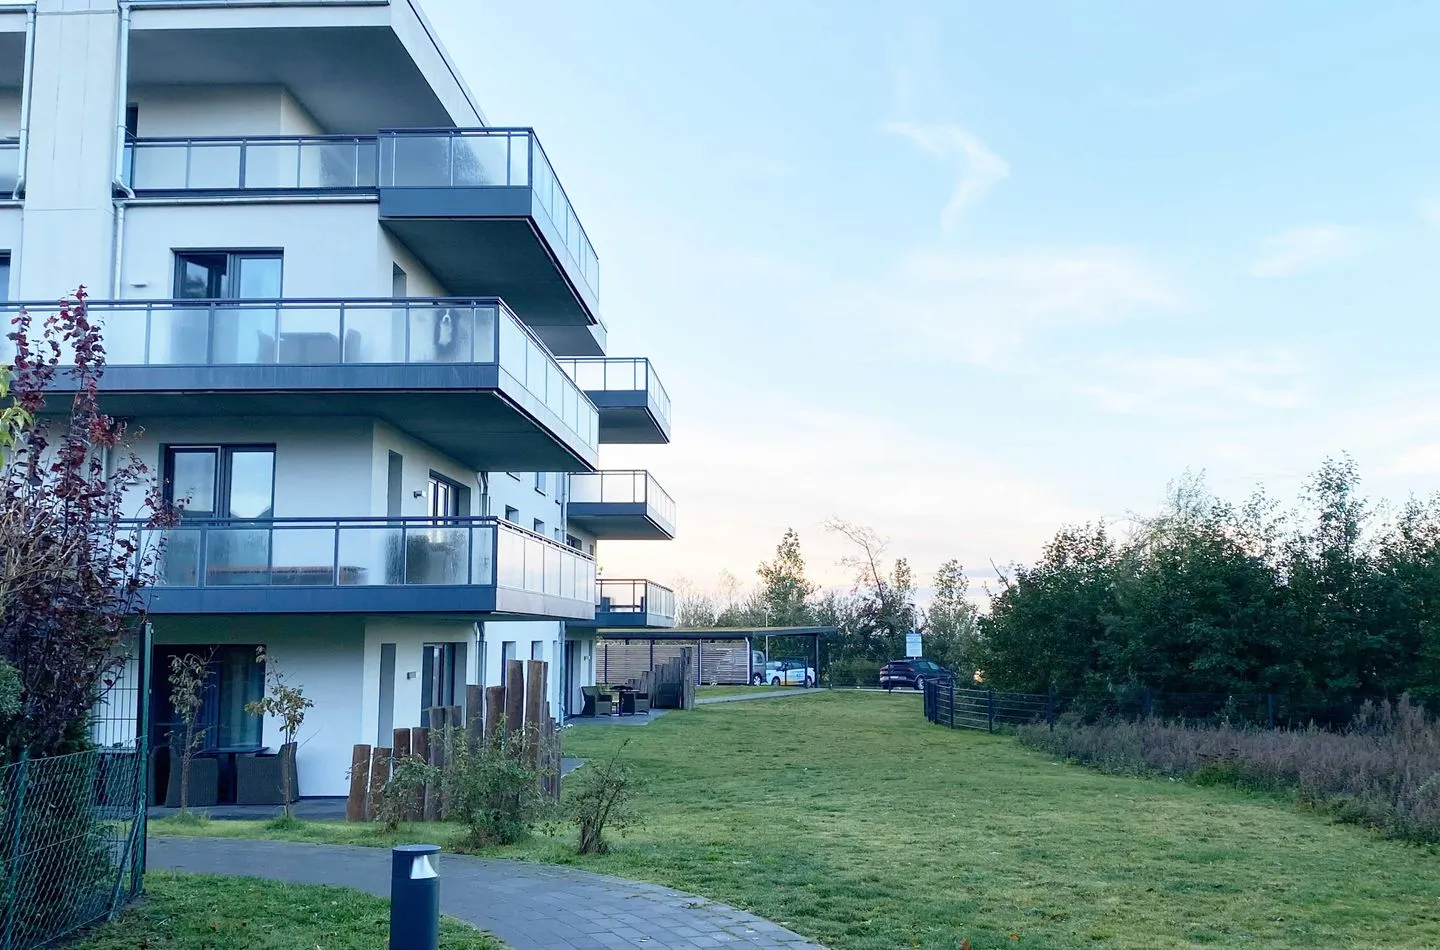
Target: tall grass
1381, 771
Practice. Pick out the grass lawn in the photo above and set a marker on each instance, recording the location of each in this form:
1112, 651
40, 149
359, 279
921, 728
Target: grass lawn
736, 690
850, 819
200, 912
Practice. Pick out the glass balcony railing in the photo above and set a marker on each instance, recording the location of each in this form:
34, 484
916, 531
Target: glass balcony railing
489, 158
330, 332
618, 374
358, 552
639, 597
9, 167
253, 164
623, 488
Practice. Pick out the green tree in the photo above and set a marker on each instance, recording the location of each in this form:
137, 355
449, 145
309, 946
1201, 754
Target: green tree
951, 622
784, 590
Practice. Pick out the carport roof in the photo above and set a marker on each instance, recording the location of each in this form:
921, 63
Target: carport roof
714, 633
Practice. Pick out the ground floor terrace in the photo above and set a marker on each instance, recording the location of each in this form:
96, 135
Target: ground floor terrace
365, 675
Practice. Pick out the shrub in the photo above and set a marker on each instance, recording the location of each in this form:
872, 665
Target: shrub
408, 777
493, 789
602, 796
1382, 771
854, 671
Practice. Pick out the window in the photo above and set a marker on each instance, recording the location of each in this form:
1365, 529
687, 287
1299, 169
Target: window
537, 649
573, 542
559, 535
228, 275
540, 480
443, 497
234, 679
512, 515
539, 526
4, 276
437, 678
214, 481
507, 653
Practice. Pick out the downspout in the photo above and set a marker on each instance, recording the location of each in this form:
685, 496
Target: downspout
27, 76
122, 97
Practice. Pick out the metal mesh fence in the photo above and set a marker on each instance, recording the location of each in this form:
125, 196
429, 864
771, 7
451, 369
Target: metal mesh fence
72, 833
947, 705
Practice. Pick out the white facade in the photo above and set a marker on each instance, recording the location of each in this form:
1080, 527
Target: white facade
84, 86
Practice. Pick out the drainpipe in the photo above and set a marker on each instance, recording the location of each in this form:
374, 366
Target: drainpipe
122, 97
27, 76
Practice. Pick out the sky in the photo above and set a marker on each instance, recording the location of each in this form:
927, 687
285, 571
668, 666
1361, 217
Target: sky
967, 272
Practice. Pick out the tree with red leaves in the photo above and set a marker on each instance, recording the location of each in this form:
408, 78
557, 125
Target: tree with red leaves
73, 567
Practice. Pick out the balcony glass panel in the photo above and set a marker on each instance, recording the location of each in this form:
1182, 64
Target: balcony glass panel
375, 334
9, 167
437, 555
263, 163
244, 335
362, 552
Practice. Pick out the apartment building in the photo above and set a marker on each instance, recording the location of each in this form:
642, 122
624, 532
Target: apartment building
359, 330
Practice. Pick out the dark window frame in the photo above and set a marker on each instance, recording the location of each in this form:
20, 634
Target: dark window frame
233, 257
224, 472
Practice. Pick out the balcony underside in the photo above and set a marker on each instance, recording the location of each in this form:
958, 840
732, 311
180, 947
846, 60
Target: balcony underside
347, 77
497, 603
627, 417
466, 412
564, 340
619, 521
492, 241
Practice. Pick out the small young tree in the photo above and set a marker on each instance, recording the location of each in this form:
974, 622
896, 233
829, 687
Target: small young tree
188, 675
602, 795
288, 704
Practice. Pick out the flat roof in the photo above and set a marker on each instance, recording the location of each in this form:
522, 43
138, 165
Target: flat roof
714, 633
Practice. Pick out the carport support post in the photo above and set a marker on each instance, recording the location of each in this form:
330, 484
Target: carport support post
816, 640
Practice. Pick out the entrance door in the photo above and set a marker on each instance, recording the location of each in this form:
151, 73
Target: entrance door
572, 663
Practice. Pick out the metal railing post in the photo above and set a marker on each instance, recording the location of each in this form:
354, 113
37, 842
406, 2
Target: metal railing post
1050, 707
952, 704
992, 709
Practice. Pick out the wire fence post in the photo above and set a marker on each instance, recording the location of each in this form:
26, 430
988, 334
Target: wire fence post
991, 696
1050, 707
1270, 710
12, 878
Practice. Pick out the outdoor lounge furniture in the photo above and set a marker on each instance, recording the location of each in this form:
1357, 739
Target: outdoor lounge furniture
642, 704
258, 777
204, 782
596, 702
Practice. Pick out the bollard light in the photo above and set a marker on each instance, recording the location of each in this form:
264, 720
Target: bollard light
414, 897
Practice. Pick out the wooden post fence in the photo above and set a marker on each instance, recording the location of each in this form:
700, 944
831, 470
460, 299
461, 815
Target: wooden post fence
530, 730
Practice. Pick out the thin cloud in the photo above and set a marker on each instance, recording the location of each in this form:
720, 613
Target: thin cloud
980, 169
1304, 249
1209, 387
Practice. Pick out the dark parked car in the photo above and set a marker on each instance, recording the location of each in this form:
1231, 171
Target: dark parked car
913, 673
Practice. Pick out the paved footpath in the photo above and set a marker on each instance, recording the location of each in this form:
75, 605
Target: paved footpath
529, 906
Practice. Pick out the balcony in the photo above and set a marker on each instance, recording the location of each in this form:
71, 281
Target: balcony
483, 209
634, 407
463, 375
621, 506
357, 565
631, 603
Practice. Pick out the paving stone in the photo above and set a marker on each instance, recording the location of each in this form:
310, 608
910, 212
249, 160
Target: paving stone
529, 906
